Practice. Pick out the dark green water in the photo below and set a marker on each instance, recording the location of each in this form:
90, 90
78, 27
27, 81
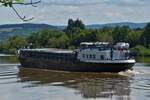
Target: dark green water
31, 84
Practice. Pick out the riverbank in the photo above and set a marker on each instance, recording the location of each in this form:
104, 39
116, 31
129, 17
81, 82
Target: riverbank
141, 51
6, 55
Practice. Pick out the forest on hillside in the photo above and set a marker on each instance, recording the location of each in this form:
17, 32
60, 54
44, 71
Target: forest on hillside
75, 33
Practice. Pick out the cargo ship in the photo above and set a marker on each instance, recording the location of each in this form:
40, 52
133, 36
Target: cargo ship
88, 57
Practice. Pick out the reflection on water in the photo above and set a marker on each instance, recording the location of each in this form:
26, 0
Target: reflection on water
89, 85
33, 84
4, 59
145, 60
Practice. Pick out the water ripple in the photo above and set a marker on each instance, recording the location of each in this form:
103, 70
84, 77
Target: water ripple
77, 86
8, 73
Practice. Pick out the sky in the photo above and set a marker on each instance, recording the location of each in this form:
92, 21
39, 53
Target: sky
57, 12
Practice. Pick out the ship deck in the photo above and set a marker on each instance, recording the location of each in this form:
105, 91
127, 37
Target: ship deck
110, 61
50, 50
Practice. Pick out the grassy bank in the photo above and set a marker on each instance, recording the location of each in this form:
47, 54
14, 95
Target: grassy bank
141, 51
143, 59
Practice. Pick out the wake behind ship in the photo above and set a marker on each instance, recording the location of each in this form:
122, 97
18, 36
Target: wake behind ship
89, 57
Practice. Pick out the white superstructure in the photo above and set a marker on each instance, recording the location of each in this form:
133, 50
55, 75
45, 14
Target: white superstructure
103, 52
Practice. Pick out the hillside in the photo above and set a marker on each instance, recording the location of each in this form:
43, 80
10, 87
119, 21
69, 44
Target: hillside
9, 30
130, 24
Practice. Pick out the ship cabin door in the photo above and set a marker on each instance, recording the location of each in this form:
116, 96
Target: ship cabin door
102, 57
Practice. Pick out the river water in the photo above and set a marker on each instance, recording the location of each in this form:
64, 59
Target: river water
32, 84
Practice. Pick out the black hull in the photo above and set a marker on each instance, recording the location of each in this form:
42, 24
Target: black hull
74, 66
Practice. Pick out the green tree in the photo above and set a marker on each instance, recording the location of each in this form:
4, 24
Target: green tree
120, 33
78, 37
52, 42
17, 42
83, 36
78, 23
41, 38
146, 36
60, 42
133, 37
104, 34
12, 44
5, 46
74, 26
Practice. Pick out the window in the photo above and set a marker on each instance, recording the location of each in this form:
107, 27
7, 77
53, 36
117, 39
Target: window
87, 56
102, 57
83, 55
91, 56
94, 56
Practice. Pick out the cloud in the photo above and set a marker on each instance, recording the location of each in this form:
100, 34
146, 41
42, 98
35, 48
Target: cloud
90, 11
72, 2
96, 2
113, 14
128, 2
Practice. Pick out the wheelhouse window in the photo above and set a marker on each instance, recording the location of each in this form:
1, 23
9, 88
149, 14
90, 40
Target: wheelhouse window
102, 57
94, 56
83, 55
91, 56
87, 56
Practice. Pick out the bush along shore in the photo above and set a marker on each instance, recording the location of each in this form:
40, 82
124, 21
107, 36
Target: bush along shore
75, 33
